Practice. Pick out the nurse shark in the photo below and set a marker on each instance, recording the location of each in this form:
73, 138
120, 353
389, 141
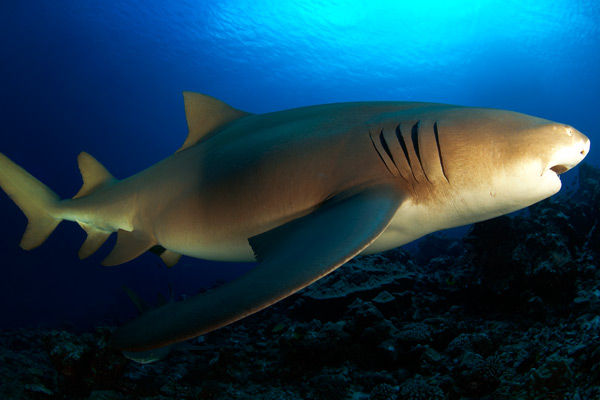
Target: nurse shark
301, 191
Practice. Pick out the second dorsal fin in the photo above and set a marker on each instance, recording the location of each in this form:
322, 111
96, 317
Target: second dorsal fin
93, 173
205, 114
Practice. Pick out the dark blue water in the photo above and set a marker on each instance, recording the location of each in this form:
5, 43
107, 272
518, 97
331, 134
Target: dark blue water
106, 77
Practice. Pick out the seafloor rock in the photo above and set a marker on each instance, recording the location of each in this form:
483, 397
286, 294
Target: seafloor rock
384, 391
479, 343
511, 311
330, 384
105, 395
418, 388
25, 371
69, 353
476, 376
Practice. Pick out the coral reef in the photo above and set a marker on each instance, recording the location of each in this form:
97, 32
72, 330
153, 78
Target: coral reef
510, 311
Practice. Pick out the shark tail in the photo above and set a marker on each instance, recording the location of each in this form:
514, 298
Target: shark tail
36, 200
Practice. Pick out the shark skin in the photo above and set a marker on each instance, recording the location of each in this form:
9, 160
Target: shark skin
301, 191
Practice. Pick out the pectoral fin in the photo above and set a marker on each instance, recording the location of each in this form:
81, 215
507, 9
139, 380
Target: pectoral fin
291, 257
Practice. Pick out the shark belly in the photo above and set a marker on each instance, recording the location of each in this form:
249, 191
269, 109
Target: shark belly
210, 225
193, 236
407, 225
215, 222
412, 221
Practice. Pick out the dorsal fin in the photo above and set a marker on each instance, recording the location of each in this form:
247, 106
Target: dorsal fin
205, 114
93, 173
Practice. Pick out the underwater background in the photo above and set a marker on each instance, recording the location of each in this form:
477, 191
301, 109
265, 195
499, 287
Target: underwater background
106, 77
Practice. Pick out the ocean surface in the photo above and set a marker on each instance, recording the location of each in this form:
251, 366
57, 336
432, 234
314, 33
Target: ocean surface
106, 77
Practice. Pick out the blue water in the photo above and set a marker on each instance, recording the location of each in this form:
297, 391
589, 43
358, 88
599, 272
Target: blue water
106, 77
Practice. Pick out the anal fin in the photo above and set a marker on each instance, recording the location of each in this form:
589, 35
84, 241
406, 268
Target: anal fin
95, 238
129, 246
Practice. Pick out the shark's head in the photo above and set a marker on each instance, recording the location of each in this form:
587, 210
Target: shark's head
501, 161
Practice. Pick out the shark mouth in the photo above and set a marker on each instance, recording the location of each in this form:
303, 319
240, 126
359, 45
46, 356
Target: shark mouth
559, 169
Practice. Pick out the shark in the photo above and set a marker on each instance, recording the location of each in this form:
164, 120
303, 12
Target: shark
300, 192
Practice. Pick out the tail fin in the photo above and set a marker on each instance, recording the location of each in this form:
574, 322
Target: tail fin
35, 199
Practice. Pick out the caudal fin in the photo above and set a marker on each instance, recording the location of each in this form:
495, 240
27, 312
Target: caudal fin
35, 199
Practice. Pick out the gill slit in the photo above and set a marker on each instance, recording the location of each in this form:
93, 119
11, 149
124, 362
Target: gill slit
386, 147
439, 149
414, 135
383, 151
400, 139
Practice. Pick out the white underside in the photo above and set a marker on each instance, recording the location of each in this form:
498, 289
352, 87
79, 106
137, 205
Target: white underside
503, 196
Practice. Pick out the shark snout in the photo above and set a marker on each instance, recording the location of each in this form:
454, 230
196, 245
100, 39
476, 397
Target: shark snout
572, 153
